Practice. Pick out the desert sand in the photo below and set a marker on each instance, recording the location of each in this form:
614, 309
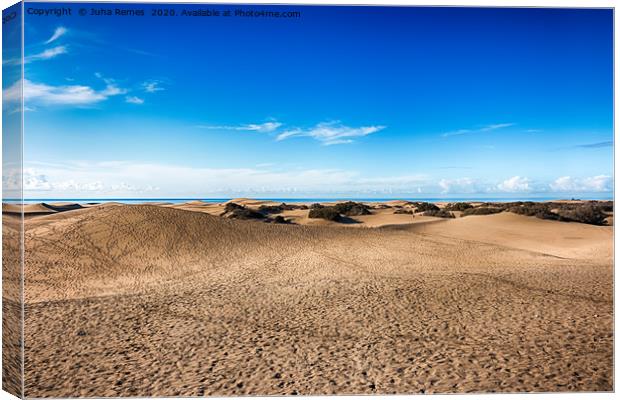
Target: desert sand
174, 299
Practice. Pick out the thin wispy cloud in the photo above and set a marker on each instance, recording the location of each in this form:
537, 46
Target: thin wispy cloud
62, 95
487, 128
454, 167
47, 54
152, 86
331, 133
265, 127
494, 127
44, 55
74, 95
112, 88
58, 32
328, 133
596, 145
134, 100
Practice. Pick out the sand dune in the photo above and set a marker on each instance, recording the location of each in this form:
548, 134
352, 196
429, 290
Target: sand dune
561, 239
144, 300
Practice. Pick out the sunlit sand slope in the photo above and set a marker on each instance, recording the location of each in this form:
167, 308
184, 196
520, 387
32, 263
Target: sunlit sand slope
156, 301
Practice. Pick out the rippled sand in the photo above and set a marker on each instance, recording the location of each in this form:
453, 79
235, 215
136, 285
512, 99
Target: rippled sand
161, 300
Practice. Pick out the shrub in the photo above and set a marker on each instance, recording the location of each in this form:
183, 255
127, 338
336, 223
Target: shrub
423, 206
351, 208
232, 206
280, 220
438, 213
289, 207
328, 213
585, 213
529, 208
270, 209
245, 213
607, 206
482, 211
458, 206
316, 205
403, 211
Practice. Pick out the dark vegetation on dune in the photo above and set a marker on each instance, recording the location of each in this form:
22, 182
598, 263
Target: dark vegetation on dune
438, 213
483, 210
423, 206
237, 211
229, 207
594, 213
458, 206
352, 209
337, 211
244, 213
531, 209
280, 220
270, 209
328, 213
607, 206
587, 213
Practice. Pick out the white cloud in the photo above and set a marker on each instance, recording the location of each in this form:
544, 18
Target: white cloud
76, 95
487, 128
111, 88
457, 132
70, 94
73, 186
330, 133
152, 86
515, 184
135, 179
46, 54
128, 179
599, 183
58, 32
459, 185
494, 127
12, 93
71, 181
33, 180
266, 127
134, 100
12, 178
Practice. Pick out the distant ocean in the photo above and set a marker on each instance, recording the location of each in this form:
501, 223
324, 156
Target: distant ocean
308, 200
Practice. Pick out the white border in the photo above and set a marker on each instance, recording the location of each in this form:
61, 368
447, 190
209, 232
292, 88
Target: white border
478, 3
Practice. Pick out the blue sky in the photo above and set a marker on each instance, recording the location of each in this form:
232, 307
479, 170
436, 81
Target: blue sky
340, 102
